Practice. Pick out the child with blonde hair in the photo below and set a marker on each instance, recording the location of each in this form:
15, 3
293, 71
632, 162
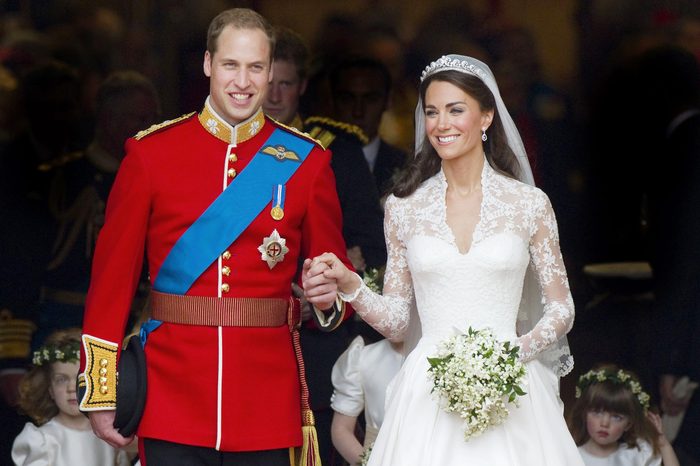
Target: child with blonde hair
62, 435
611, 422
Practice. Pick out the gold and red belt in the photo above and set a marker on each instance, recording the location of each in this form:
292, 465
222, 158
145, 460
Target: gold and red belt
224, 312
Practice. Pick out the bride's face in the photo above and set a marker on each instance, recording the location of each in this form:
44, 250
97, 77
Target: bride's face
453, 121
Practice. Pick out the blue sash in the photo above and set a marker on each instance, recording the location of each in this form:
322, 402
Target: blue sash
231, 212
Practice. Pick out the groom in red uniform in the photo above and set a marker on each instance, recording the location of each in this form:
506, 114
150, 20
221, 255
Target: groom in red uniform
225, 203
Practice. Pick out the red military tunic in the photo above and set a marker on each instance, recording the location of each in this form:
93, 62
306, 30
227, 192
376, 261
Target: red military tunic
230, 388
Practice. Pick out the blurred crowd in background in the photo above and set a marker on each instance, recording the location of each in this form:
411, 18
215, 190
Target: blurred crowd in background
78, 77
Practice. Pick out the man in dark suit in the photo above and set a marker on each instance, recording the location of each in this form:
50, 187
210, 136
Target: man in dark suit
361, 88
126, 102
28, 165
669, 79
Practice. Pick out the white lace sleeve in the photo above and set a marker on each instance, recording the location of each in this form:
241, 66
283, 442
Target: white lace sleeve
558, 317
389, 312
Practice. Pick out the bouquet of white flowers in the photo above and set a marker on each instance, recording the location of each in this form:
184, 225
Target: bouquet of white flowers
364, 457
476, 376
374, 279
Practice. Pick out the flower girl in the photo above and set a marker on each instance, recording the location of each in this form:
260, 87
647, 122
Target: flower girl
48, 395
611, 422
360, 378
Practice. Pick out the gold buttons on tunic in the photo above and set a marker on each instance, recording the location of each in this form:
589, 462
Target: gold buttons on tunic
226, 255
104, 389
226, 270
225, 287
232, 158
231, 172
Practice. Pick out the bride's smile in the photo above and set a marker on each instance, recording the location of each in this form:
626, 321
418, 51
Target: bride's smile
454, 121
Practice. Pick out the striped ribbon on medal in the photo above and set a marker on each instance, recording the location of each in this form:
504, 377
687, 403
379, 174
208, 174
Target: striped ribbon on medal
278, 196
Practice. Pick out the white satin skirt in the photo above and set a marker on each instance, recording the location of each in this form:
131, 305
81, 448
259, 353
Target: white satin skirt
416, 430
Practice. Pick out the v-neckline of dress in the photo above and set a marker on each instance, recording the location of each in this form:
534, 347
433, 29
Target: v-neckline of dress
452, 239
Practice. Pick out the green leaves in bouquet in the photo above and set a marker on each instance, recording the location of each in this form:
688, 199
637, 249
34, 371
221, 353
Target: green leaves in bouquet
374, 279
475, 375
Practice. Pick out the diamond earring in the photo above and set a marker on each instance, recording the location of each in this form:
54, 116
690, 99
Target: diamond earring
483, 135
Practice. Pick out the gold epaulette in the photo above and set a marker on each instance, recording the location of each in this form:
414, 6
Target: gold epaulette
347, 127
100, 377
159, 126
60, 161
323, 136
15, 336
298, 132
297, 122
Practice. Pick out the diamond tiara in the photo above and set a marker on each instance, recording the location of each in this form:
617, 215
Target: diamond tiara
447, 63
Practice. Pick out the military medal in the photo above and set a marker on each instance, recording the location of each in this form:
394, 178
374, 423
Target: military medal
273, 249
278, 195
277, 213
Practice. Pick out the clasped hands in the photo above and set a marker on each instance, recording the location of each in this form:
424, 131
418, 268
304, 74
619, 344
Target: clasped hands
322, 278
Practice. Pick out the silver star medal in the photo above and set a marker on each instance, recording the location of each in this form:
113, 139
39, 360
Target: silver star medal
273, 249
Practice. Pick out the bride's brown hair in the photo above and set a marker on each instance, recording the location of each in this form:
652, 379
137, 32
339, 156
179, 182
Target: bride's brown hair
426, 162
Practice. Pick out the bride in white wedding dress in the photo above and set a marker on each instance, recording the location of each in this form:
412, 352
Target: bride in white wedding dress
465, 237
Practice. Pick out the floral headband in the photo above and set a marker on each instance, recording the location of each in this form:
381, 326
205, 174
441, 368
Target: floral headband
618, 377
67, 352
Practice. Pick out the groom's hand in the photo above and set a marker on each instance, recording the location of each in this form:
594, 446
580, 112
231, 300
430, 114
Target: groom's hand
102, 423
347, 281
321, 291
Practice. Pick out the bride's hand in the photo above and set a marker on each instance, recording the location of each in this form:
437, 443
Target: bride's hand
318, 289
337, 271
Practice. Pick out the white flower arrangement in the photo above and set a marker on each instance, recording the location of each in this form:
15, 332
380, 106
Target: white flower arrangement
364, 456
477, 377
67, 352
374, 279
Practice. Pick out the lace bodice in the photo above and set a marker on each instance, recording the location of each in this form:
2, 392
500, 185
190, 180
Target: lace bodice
479, 288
